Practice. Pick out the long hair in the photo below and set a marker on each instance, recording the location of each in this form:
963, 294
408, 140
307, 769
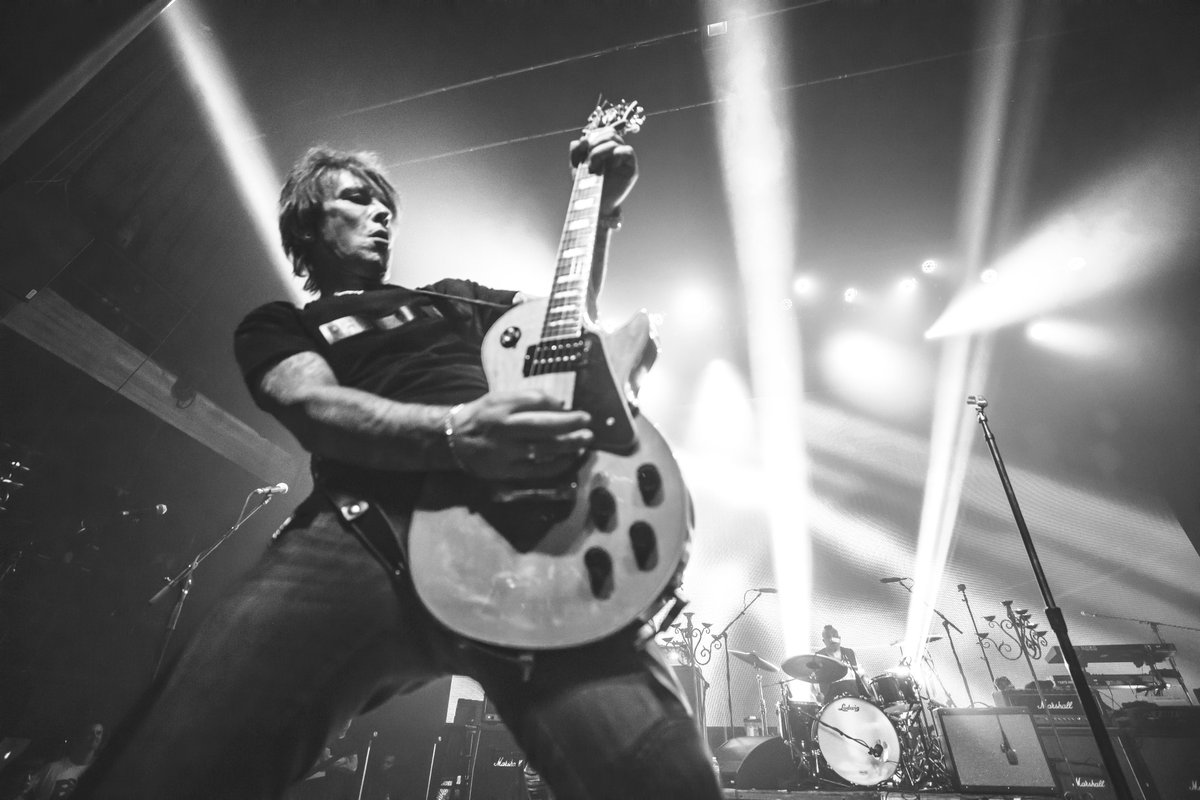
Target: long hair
307, 187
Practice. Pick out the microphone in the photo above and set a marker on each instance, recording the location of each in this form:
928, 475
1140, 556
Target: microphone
892, 580
876, 751
979, 401
767, 590
138, 513
279, 488
962, 587
1007, 749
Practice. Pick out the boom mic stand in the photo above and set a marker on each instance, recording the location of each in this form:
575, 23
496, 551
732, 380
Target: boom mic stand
185, 576
1054, 614
946, 626
723, 635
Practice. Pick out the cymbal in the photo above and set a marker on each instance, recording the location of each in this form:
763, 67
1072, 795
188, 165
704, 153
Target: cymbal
752, 658
814, 668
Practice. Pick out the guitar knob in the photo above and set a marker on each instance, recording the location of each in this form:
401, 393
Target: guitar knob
649, 481
510, 336
600, 572
602, 507
645, 545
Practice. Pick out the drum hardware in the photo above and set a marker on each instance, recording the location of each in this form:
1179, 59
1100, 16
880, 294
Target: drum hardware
760, 664
814, 668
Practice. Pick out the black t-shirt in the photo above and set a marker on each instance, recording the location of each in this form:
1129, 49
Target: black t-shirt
390, 341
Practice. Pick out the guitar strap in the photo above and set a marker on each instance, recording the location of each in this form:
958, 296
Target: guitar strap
371, 526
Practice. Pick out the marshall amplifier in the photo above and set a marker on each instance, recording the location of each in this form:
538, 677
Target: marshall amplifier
1075, 762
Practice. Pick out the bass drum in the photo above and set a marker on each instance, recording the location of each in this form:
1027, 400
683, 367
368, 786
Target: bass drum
840, 732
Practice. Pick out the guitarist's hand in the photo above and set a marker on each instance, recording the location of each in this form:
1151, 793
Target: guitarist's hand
607, 154
519, 434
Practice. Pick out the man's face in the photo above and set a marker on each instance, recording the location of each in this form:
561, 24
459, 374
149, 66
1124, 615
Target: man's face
355, 233
828, 637
96, 735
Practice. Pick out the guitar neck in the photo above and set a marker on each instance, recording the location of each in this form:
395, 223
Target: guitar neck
576, 248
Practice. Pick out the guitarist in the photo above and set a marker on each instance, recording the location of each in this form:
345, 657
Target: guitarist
381, 383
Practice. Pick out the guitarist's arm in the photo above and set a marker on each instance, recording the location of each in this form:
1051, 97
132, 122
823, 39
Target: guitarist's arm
492, 435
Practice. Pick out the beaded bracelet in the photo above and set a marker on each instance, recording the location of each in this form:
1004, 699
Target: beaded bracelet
448, 430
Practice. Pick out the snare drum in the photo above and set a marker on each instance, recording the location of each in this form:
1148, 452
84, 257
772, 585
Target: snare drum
896, 691
840, 730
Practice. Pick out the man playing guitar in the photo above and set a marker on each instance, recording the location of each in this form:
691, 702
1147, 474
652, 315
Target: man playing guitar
383, 385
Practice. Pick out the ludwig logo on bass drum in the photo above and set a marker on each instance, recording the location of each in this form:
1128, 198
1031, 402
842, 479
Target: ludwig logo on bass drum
849, 707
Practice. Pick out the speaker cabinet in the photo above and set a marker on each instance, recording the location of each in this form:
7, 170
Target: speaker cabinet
975, 747
755, 762
1076, 764
1167, 765
496, 769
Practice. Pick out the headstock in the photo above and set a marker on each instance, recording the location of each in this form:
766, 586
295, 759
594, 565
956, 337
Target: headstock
625, 117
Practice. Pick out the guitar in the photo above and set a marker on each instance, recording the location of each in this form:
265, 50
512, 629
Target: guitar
567, 561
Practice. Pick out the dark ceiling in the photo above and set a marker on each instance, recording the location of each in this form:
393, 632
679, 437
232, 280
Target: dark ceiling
122, 205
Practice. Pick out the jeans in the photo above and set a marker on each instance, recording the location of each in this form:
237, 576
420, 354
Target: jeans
318, 633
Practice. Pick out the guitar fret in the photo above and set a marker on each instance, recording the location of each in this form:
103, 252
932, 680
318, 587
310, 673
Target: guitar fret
583, 203
589, 181
576, 224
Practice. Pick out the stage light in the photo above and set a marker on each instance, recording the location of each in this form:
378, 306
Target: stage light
804, 286
989, 275
694, 308
928, 266
786, 304
756, 150
876, 374
1073, 338
230, 123
850, 295
907, 285
1130, 225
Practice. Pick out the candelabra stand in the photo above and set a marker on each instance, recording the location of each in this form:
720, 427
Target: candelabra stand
1020, 630
696, 646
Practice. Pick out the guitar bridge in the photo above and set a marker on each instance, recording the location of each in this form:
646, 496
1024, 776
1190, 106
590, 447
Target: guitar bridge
557, 355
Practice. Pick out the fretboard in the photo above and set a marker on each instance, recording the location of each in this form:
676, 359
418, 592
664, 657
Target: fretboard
572, 276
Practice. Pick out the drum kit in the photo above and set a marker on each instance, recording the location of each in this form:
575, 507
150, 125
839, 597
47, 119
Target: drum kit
864, 733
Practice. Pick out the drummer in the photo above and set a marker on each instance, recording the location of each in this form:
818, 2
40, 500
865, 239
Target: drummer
851, 684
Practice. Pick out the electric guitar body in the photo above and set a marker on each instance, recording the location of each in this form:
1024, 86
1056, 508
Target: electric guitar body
565, 561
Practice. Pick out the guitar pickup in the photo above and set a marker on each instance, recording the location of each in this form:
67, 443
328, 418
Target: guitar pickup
557, 355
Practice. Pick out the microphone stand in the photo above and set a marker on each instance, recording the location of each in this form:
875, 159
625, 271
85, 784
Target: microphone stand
1154, 626
362, 783
185, 577
979, 637
946, 626
1054, 614
728, 680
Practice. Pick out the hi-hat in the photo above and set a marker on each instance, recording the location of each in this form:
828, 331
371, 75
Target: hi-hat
752, 658
814, 668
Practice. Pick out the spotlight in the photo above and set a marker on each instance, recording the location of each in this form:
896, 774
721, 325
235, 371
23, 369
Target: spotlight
1077, 263
989, 275
928, 266
850, 295
804, 286
787, 304
907, 285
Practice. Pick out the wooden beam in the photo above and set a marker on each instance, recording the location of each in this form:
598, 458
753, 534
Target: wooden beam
51, 322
